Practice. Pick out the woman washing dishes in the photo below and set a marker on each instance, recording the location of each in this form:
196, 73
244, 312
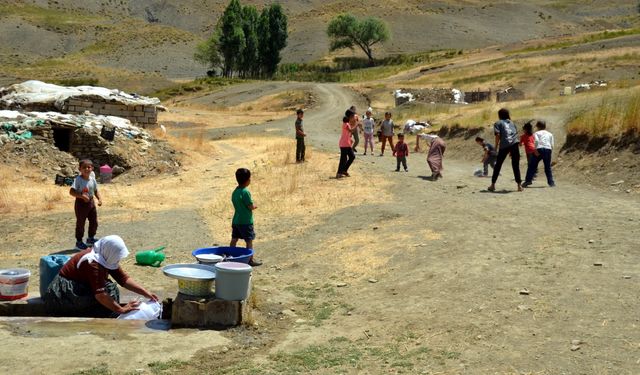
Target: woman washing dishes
435, 155
82, 287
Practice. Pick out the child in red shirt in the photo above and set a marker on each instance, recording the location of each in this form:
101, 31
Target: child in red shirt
401, 151
527, 140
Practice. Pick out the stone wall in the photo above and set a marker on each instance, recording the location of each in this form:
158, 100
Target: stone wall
142, 115
477, 96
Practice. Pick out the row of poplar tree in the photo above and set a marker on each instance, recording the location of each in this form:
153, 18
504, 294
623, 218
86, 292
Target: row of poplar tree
245, 42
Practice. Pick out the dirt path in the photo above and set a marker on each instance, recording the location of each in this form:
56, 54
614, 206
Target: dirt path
425, 277
450, 261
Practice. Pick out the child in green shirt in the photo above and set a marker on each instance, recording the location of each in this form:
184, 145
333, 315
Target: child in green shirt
242, 224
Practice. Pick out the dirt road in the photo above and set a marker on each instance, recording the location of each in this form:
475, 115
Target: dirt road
486, 282
425, 277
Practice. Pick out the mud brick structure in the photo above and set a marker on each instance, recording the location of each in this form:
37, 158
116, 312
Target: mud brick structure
142, 115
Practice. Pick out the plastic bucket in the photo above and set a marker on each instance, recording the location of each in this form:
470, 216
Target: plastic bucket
230, 254
14, 283
50, 265
232, 281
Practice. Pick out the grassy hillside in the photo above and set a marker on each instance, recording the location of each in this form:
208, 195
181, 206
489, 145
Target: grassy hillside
113, 41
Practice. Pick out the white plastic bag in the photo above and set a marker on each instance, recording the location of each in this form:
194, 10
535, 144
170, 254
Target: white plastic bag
146, 311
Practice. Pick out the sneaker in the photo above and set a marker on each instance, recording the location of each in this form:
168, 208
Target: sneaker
339, 175
254, 263
406, 169
345, 174
364, 153
552, 185
526, 184
92, 240
397, 170
81, 246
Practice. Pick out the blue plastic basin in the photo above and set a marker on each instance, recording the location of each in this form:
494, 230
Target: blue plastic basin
231, 254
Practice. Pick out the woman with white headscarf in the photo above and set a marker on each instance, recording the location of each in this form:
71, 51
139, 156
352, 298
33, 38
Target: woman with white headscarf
82, 287
435, 155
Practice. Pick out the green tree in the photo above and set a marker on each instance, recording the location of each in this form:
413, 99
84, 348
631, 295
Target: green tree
249, 64
272, 37
207, 53
345, 31
232, 39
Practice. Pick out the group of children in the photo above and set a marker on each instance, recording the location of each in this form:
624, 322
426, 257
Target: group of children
85, 190
538, 147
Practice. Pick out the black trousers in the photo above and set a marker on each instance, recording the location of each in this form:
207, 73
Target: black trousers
346, 158
300, 148
514, 151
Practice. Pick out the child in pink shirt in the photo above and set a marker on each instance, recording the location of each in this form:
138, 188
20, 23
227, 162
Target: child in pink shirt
347, 156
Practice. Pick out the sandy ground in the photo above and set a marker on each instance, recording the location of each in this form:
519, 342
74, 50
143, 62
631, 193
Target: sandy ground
395, 274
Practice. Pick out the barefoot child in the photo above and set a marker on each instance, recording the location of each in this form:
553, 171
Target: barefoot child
401, 151
242, 223
84, 189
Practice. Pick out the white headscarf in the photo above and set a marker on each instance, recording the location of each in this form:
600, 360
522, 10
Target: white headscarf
108, 252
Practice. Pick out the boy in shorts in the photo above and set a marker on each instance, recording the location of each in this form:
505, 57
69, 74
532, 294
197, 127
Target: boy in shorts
242, 224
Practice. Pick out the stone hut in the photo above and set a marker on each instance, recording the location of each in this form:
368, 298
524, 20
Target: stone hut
43, 97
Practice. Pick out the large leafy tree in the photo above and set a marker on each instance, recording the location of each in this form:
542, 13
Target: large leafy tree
207, 53
272, 36
346, 31
232, 38
249, 63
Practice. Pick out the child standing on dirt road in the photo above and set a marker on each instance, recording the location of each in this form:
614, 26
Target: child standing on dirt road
507, 143
300, 134
242, 223
84, 189
526, 140
544, 147
401, 151
387, 132
368, 125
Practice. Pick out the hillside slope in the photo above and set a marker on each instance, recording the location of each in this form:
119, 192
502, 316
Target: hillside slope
114, 40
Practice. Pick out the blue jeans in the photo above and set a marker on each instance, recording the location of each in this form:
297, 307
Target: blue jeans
545, 156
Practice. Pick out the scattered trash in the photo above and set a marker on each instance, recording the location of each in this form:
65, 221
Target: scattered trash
617, 183
525, 292
373, 281
591, 241
597, 264
341, 284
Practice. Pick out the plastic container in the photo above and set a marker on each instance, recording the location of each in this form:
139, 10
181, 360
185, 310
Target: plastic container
106, 173
232, 281
230, 254
193, 279
14, 283
150, 257
209, 259
146, 311
50, 265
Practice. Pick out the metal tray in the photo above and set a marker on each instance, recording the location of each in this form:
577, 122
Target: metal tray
187, 271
